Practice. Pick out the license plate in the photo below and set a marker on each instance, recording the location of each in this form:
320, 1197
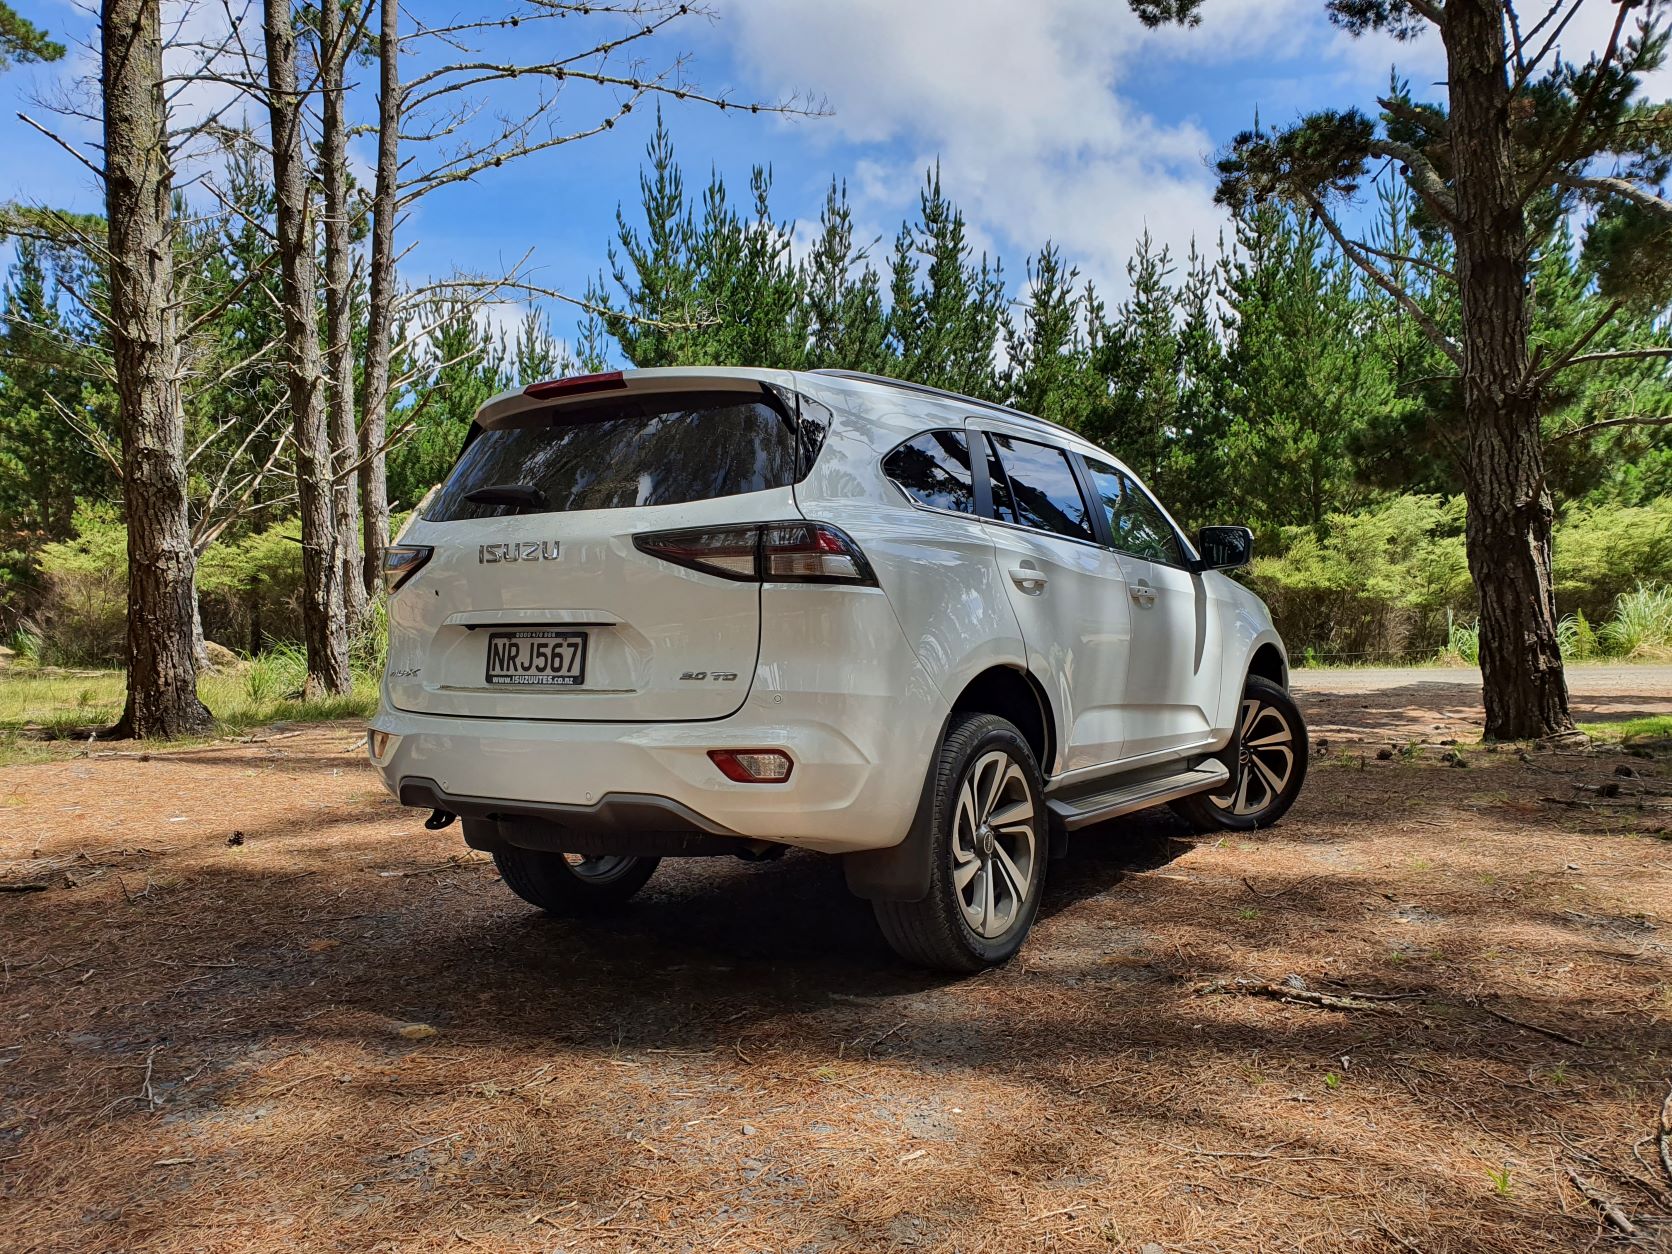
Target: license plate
539, 657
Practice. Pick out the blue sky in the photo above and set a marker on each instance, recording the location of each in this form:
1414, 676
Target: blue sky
1056, 120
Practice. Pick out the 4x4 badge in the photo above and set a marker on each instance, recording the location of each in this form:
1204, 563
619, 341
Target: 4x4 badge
519, 551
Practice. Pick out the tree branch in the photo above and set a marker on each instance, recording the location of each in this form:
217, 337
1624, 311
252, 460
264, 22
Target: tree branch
1617, 354
91, 434
220, 307
1582, 111
1566, 356
1640, 196
1424, 177
1528, 67
1376, 275
1662, 421
1432, 267
29, 121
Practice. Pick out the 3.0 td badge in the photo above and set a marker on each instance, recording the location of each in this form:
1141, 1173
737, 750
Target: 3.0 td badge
518, 551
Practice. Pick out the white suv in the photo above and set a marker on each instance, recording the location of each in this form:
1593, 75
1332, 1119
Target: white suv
728, 611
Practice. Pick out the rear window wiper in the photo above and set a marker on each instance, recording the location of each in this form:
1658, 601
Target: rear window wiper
525, 495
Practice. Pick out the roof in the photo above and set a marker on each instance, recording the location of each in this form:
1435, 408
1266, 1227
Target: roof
946, 394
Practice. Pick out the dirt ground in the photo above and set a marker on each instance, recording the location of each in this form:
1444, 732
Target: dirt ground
257, 1006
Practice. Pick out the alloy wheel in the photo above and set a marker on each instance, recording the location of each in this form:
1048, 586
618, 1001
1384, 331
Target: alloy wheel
994, 844
1265, 761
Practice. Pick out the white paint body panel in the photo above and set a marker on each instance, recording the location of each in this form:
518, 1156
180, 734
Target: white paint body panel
855, 683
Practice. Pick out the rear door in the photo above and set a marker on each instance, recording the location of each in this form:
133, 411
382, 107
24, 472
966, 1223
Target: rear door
1066, 588
1172, 682
536, 603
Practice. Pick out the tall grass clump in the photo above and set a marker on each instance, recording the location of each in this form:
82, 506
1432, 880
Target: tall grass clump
1462, 646
27, 645
1642, 623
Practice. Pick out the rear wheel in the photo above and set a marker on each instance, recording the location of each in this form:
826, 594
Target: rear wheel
568, 883
988, 851
1271, 765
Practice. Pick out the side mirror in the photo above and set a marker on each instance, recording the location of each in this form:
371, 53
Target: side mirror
1224, 548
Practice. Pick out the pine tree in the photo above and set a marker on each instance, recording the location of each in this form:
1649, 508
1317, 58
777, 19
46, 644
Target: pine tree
1523, 136
1199, 468
948, 315
846, 327
1301, 381
746, 283
461, 365
56, 402
21, 41
1139, 361
536, 354
1048, 372
654, 271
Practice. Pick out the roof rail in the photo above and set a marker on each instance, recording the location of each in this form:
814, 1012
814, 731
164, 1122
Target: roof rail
944, 393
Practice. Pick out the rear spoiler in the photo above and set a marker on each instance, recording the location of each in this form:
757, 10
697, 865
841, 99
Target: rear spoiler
587, 387
811, 418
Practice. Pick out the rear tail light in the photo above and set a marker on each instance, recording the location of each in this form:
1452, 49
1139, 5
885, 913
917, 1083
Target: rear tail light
753, 766
401, 562
732, 552
778, 552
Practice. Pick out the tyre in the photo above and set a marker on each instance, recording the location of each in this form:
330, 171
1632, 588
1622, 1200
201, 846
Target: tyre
567, 883
987, 844
1271, 765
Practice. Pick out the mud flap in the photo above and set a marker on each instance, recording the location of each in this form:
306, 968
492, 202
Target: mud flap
901, 872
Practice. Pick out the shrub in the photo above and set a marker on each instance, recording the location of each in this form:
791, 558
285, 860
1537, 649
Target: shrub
250, 590
1371, 585
1604, 551
278, 674
81, 616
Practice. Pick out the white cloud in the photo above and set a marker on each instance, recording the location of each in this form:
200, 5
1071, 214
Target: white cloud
1033, 109
1029, 110
1588, 33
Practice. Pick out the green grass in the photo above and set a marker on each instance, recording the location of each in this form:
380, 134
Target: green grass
1651, 728
68, 705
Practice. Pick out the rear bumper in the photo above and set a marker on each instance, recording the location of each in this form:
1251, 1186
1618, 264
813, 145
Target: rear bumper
859, 763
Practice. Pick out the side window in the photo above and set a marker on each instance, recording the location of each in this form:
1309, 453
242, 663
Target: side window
934, 470
1043, 490
1138, 527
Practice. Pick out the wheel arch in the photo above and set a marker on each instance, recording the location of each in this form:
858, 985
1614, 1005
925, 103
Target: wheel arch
1016, 695
901, 872
1268, 662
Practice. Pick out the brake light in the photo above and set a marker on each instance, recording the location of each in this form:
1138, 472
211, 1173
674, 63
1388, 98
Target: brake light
753, 766
401, 562
777, 552
576, 385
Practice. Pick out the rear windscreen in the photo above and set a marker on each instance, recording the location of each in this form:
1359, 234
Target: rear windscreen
655, 450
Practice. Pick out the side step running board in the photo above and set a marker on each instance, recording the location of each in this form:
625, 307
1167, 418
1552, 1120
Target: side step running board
1077, 812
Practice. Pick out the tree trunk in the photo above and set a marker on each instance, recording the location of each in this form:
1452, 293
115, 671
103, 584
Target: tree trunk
333, 157
380, 316
162, 676
1510, 510
324, 630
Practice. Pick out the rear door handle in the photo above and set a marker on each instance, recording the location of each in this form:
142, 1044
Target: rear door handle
1028, 580
1143, 594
